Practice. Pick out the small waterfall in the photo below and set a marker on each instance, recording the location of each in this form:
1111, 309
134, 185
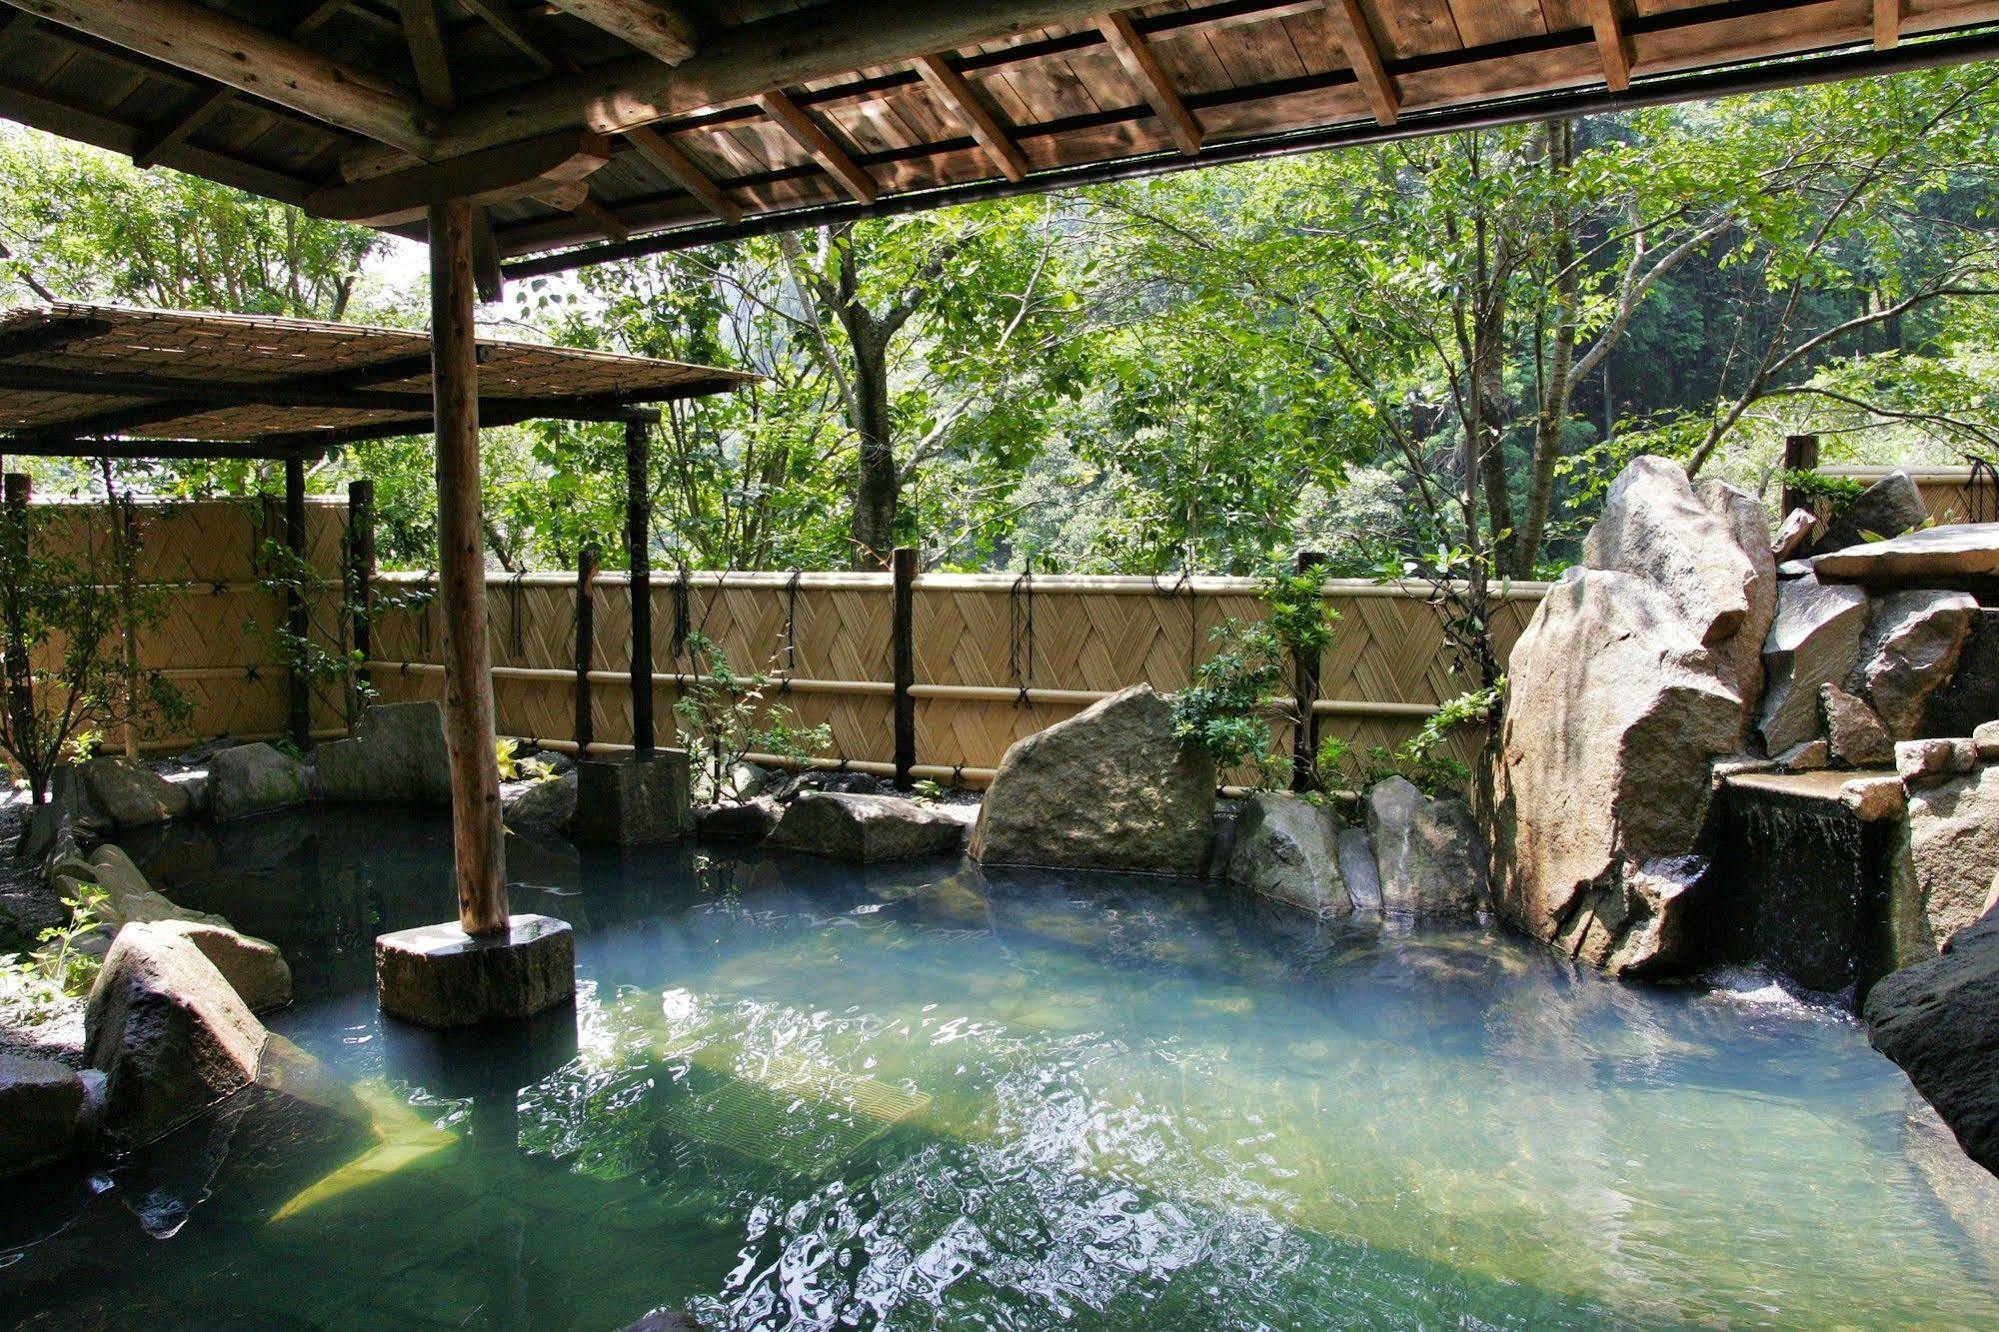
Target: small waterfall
1804, 884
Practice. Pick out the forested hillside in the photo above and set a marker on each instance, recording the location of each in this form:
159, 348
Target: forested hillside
1434, 351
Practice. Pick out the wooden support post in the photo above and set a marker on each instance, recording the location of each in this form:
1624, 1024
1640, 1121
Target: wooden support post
638, 540
902, 621
586, 638
476, 831
1801, 454
1305, 688
18, 488
361, 582
298, 626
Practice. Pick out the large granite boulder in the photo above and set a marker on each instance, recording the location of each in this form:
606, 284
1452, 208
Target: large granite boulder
1111, 788
1888, 508
255, 969
169, 1034
1958, 555
1655, 527
1853, 731
1939, 1020
1750, 526
1615, 712
1970, 697
548, 805
1287, 848
129, 897
1427, 852
396, 755
131, 795
1910, 651
40, 1101
248, 780
864, 829
1953, 854
1814, 640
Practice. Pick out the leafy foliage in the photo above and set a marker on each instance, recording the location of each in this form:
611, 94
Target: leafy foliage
724, 717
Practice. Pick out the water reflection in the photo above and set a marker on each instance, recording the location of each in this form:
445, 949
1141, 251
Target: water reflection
791, 1095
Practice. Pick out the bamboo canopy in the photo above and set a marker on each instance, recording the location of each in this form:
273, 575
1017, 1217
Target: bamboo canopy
152, 383
603, 128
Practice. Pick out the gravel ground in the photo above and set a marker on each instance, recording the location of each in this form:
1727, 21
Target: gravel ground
49, 1029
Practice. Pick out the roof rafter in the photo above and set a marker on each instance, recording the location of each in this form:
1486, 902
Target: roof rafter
964, 101
820, 145
1364, 57
1613, 48
662, 153
1887, 24
425, 36
1143, 66
657, 27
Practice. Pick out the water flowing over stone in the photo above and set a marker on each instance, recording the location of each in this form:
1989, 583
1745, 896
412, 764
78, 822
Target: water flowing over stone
1814, 639
1911, 648
864, 829
1615, 712
168, 1032
1287, 848
1111, 788
1426, 852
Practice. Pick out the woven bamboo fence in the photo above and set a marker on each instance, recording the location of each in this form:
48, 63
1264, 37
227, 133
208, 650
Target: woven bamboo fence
996, 657
216, 637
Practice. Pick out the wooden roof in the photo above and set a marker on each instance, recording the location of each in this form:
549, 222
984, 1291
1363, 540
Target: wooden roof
721, 116
172, 383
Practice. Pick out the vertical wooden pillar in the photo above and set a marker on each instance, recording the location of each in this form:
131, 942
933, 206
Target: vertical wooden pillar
586, 637
1801, 454
476, 832
361, 578
297, 624
902, 628
1305, 688
638, 540
18, 488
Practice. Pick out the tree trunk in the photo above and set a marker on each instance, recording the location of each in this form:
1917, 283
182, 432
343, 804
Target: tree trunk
877, 484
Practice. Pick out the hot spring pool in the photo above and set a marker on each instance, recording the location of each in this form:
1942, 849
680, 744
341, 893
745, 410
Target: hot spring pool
795, 1095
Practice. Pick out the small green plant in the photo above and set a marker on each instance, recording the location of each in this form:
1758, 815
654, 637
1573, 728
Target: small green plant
726, 718
26, 988
1834, 491
506, 754
927, 791
84, 746
61, 956
1419, 758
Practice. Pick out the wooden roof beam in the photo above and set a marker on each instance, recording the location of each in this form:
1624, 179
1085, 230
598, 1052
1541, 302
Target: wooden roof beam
73, 447
1887, 24
819, 145
662, 153
1364, 58
425, 36
205, 109
553, 161
1143, 66
250, 59
660, 29
1611, 45
495, 16
52, 336
964, 102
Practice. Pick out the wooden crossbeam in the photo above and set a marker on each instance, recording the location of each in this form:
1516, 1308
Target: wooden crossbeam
495, 16
193, 37
661, 152
1140, 62
1887, 24
819, 145
592, 210
426, 42
67, 447
660, 29
963, 100
16, 27
553, 161
1364, 58
1611, 46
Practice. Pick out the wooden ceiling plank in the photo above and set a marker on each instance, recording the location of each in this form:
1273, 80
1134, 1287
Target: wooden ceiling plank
1363, 54
1887, 24
680, 168
1611, 44
425, 36
1142, 65
500, 20
205, 109
498, 174
593, 211
51, 337
17, 27
250, 59
819, 145
964, 102
661, 30
55, 447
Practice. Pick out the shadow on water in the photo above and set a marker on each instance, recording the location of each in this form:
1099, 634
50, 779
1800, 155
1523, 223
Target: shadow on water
798, 1095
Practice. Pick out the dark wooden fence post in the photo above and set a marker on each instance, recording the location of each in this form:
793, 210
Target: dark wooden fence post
1801, 454
586, 637
298, 626
638, 538
361, 583
18, 489
1305, 688
902, 618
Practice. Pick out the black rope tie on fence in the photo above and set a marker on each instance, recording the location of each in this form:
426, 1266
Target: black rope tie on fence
958, 775
1185, 583
790, 631
427, 595
682, 586
250, 674
1020, 645
516, 641
1981, 490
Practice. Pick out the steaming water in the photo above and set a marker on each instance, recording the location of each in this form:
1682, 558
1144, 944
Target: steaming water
795, 1095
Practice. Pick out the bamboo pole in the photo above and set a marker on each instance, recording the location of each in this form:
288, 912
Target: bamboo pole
902, 631
18, 490
476, 831
586, 637
1305, 689
638, 537
298, 688
361, 577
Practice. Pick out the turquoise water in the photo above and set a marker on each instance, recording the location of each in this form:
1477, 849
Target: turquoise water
793, 1095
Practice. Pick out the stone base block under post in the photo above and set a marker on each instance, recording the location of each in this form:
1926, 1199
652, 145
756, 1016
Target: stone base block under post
633, 801
440, 976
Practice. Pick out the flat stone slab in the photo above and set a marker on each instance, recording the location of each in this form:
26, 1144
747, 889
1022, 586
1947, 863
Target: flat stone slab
632, 801
1935, 557
440, 976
